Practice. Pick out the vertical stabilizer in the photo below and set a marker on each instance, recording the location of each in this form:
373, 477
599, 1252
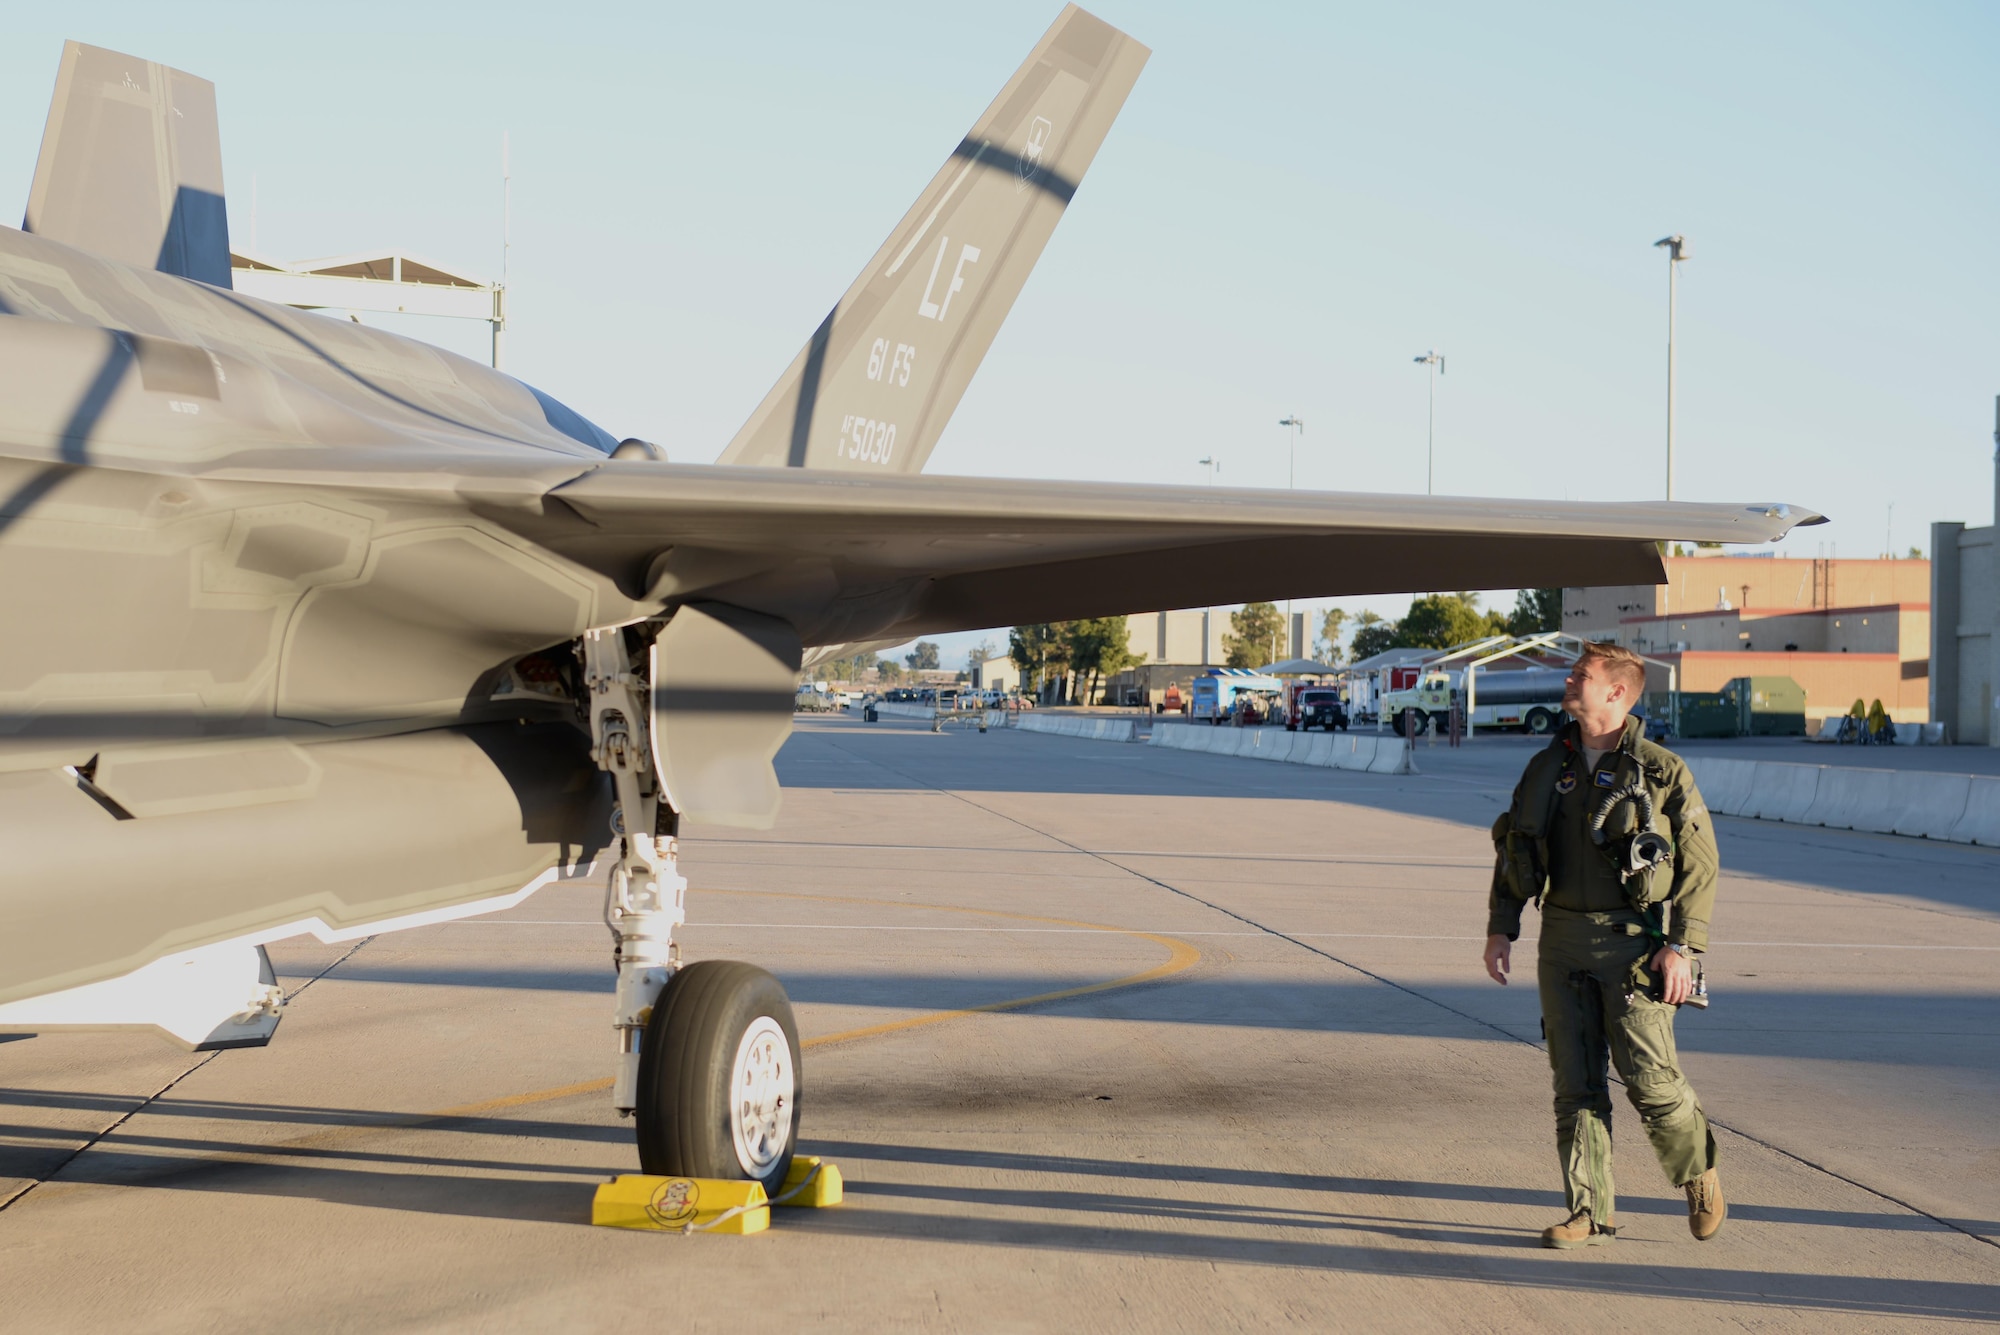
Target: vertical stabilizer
876, 383
131, 166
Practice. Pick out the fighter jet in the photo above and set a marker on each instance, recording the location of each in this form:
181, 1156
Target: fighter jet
309, 628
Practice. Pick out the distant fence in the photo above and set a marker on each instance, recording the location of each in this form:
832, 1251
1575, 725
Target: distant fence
1375, 753
1957, 808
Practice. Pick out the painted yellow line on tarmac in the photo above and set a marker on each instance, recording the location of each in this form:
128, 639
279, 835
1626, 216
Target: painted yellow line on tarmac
1180, 956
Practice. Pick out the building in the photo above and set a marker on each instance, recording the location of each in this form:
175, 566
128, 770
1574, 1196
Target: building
1173, 648
1844, 630
1965, 632
999, 673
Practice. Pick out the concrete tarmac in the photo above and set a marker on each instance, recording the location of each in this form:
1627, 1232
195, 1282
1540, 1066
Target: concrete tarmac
1280, 1093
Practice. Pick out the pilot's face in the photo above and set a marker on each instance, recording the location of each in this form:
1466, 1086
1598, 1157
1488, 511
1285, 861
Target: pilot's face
1589, 689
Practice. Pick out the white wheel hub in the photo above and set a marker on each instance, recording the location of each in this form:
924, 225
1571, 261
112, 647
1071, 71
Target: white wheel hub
763, 1084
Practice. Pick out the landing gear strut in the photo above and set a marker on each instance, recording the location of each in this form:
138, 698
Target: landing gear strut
708, 1055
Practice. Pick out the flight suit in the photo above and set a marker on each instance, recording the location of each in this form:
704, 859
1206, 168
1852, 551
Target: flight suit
1598, 937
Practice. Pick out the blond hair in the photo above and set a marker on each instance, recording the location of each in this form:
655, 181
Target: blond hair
1620, 664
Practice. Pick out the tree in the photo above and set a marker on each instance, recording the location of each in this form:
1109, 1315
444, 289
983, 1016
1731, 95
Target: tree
975, 657
1098, 647
1535, 611
1040, 651
850, 669
1372, 635
1327, 648
1257, 629
1440, 620
923, 657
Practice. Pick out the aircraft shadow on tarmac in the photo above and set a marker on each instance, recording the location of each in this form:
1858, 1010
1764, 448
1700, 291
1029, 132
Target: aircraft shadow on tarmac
1953, 1030
344, 1169
1214, 1239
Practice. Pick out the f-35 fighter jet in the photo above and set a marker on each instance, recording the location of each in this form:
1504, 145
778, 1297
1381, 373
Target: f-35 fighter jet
306, 627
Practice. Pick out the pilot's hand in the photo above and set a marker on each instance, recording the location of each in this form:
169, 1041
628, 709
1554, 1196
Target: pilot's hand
1677, 978
1499, 958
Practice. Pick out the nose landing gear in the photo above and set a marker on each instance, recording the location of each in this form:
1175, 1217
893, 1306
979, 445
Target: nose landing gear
709, 1052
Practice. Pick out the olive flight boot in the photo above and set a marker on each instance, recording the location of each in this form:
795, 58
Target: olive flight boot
1706, 1208
1579, 1230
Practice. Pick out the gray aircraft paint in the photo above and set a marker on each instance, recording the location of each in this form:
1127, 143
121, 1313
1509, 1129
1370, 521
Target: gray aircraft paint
875, 384
267, 579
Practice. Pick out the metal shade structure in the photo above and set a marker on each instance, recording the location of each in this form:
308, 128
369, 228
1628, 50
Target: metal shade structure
1298, 667
391, 282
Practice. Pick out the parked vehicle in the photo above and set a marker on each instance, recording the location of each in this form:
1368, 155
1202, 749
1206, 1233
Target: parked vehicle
1219, 692
1315, 707
1527, 698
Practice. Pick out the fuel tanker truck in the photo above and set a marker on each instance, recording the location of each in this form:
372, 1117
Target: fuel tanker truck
1525, 698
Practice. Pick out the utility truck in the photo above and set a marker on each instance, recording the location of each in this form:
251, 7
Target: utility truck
1525, 698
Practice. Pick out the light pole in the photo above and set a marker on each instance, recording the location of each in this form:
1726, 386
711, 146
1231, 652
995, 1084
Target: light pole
1213, 465
1677, 250
1435, 360
1298, 426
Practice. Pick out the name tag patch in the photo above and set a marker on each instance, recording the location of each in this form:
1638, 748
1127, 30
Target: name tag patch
1605, 778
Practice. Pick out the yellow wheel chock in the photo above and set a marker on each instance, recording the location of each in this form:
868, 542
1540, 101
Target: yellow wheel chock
710, 1205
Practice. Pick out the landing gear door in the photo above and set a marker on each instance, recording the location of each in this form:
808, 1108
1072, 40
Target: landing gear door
724, 682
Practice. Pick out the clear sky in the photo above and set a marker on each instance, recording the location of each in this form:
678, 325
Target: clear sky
1297, 200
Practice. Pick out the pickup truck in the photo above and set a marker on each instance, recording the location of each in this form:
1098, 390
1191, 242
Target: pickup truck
1316, 707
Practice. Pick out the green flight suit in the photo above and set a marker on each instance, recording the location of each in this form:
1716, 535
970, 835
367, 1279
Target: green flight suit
1598, 938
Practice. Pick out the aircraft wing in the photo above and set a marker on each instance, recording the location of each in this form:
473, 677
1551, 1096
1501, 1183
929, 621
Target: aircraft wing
901, 556
845, 558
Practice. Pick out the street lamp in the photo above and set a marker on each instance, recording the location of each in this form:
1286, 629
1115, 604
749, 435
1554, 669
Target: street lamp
1677, 250
1435, 360
1298, 426
1213, 465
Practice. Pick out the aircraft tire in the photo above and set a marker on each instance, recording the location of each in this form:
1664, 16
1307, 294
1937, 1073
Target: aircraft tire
720, 1027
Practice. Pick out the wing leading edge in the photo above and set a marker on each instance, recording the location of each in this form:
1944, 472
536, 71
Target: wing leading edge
846, 558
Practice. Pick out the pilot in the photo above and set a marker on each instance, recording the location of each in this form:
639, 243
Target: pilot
1622, 918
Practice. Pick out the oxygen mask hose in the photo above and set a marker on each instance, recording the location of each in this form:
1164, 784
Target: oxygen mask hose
1647, 848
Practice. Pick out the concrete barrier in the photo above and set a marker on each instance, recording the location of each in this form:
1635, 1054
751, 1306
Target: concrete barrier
1981, 822
1725, 784
1855, 799
1393, 755
1355, 751
1782, 792
1961, 808
1074, 725
1929, 806
1358, 751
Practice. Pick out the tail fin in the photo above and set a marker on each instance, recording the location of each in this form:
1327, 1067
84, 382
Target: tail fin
131, 166
879, 379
